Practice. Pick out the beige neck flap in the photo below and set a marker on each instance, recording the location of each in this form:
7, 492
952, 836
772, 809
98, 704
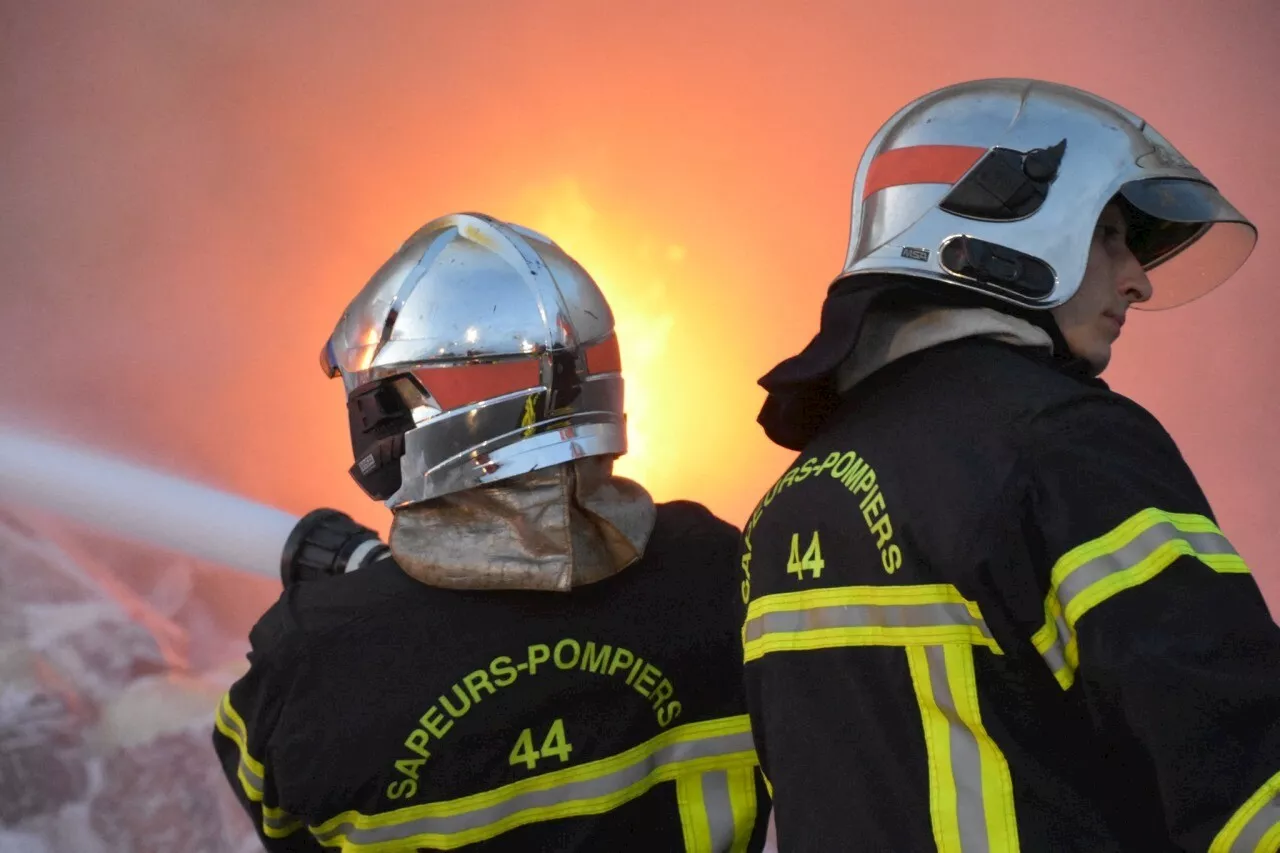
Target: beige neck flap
888, 335
552, 530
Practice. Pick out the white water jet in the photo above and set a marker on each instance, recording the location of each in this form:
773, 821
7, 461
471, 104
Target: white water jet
140, 503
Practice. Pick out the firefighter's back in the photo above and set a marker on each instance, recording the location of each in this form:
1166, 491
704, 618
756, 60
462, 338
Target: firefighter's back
607, 718
879, 570
990, 608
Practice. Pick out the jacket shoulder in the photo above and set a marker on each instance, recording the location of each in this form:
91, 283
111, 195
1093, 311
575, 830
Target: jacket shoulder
988, 380
311, 608
1107, 409
1004, 370
1116, 432
683, 518
691, 541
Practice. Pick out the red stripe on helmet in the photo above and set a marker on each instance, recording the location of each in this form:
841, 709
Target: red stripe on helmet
464, 384
604, 357
920, 164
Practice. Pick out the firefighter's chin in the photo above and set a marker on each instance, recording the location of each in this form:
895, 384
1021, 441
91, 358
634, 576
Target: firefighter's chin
552, 529
1091, 342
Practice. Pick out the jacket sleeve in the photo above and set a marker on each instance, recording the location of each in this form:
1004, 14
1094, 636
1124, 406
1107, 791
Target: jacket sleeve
1154, 618
243, 727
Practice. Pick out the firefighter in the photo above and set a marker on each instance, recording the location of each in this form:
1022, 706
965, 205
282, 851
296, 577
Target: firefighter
545, 660
988, 607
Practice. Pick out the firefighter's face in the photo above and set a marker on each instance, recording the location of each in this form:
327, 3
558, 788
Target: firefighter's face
1113, 280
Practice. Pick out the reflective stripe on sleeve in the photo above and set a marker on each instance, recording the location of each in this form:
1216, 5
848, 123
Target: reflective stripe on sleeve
1255, 828
862, 616
588, 789
276, 823
970, 789
1130, 555
717, 810
250, 770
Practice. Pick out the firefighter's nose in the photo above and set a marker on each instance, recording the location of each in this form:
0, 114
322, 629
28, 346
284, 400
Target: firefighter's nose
1132, 281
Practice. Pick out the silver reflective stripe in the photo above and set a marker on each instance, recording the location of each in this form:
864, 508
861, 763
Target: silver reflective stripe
863, 616
966, 761
242, 741
1056, 654
719, 808
568, 792
1251, 835
1135, 552
1114, 562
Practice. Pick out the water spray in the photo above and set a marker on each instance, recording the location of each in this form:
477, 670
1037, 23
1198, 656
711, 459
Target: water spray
145, 505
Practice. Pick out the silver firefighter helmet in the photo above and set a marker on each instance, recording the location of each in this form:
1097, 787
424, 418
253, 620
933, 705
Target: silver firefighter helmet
478, 352
996, 186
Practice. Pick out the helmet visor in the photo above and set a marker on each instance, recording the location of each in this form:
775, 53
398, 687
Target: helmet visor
1187, 237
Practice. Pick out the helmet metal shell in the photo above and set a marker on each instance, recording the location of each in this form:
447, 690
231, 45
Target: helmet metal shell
479, 351
996, 186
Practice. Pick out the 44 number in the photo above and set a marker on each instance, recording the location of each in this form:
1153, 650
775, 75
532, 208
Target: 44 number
811, 562
553, 744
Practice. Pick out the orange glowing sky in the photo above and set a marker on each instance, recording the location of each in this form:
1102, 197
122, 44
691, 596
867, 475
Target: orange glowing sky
195, 189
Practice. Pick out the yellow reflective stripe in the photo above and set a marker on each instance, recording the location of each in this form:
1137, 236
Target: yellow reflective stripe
922, 614
937, 739
276, 822
1255, 827
742, 798
717, 810
693, 815
970, 788
587, 789
250, 770
1128, 556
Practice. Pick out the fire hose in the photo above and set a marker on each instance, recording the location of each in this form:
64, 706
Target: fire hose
146, 505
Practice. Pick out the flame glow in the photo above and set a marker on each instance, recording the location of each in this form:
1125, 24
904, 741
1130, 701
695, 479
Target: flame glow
634, 276
230, 194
